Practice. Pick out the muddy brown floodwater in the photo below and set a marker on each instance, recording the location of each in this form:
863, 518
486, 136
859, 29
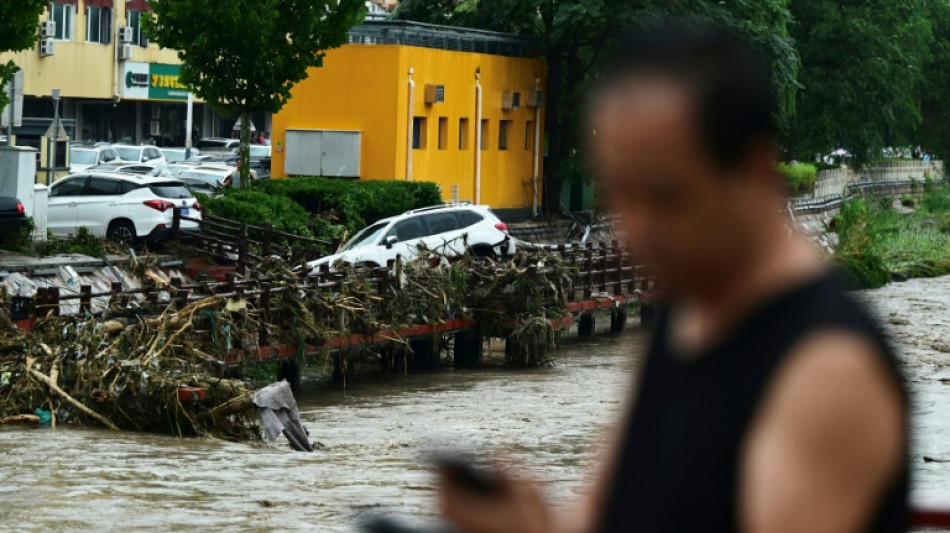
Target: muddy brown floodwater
372, 437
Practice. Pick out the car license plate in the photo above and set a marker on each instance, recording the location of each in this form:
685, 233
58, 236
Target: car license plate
184, 211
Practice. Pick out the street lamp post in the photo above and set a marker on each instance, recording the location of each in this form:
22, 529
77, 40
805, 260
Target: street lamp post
51, 149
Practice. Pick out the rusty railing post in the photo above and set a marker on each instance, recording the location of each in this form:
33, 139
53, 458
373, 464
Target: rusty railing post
85, 299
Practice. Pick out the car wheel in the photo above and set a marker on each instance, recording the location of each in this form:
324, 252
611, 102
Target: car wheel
122, 232
483, 250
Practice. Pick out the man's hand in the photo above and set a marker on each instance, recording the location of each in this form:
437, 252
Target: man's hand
517, 507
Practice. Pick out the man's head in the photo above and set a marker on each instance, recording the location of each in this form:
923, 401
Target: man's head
683, 142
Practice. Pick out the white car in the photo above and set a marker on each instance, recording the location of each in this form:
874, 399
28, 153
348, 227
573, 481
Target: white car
124, 207
213, 174
139, 154
84, 157
446, 229
177, 155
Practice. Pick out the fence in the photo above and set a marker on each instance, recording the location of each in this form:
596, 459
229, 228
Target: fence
238, 243
835, 182
598, 271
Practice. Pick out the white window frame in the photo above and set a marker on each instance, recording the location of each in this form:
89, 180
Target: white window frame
104, 26
65, 29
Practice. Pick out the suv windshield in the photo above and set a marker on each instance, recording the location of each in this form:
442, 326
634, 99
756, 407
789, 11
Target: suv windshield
174, 156
130, 154
366, 237
83, 157
173, 190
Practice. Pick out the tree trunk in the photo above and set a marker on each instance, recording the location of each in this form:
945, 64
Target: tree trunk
244, 154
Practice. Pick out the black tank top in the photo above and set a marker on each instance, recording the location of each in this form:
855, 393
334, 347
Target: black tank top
679, 468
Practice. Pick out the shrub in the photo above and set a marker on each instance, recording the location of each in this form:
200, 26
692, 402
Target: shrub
856, 257
257, 208
800, 177
353, 204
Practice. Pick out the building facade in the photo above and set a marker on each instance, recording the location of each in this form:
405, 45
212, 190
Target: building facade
114, 85
408, 101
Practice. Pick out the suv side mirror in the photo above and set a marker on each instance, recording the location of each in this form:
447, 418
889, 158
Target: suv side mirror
390, 241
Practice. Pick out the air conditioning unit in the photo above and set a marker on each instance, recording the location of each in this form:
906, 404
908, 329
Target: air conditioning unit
510, 100
46, 48
435, 94
125, 34
535, 98
125, 52
47, 29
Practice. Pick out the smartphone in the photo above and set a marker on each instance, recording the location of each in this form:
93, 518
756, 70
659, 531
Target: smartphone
464, 472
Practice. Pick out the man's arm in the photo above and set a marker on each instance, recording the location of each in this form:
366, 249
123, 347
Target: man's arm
829, 439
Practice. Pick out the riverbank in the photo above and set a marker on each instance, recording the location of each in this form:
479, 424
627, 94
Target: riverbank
884, 240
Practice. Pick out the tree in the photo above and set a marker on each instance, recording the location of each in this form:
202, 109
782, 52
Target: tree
18, 31
934, 134
574, 35
862, 69
243, 56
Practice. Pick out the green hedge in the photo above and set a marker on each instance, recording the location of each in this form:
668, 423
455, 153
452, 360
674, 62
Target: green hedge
353, 204
322, 207
799, 176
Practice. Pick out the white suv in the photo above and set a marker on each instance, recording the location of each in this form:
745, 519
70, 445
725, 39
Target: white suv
140, 154
445, 229
83, 157
124, 207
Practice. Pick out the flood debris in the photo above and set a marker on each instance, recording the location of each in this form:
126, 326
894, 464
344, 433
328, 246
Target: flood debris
279, 416
172, 364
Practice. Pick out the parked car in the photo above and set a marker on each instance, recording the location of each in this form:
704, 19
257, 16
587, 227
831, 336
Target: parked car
139, 154
125, 207
125, 167
177, 155
200, 185
260, 165
84, 157
12, 215
213, 174
217, 144
446, 229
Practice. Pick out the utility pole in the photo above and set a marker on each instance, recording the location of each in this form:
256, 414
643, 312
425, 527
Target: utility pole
188, 125
50, 150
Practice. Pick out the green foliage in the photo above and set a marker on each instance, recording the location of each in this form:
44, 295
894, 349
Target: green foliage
856, 257
82, 242
862, 64
353, 204
323, 208
878, 243
18, 19
243, 56
20, 239
574, 36
257, 208
799, 176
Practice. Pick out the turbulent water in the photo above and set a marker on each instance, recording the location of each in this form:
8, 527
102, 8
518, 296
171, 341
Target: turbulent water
372, 436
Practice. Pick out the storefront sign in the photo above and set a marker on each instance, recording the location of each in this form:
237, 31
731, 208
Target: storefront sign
152, 81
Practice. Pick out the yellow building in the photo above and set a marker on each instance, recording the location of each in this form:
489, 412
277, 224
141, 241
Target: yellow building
407, 101
115, 86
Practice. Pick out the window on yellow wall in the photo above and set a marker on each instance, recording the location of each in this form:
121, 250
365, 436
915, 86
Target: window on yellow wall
504, 127
483, 139
443, 133
463, 134
529, 135
419, 133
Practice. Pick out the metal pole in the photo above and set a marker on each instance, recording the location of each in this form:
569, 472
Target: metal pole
50, 149
12, 110
410, 125
189, 116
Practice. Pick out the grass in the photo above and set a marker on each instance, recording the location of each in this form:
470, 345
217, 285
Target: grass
878, 244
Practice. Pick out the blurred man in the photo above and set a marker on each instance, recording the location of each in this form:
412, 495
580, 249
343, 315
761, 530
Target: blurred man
768, 401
